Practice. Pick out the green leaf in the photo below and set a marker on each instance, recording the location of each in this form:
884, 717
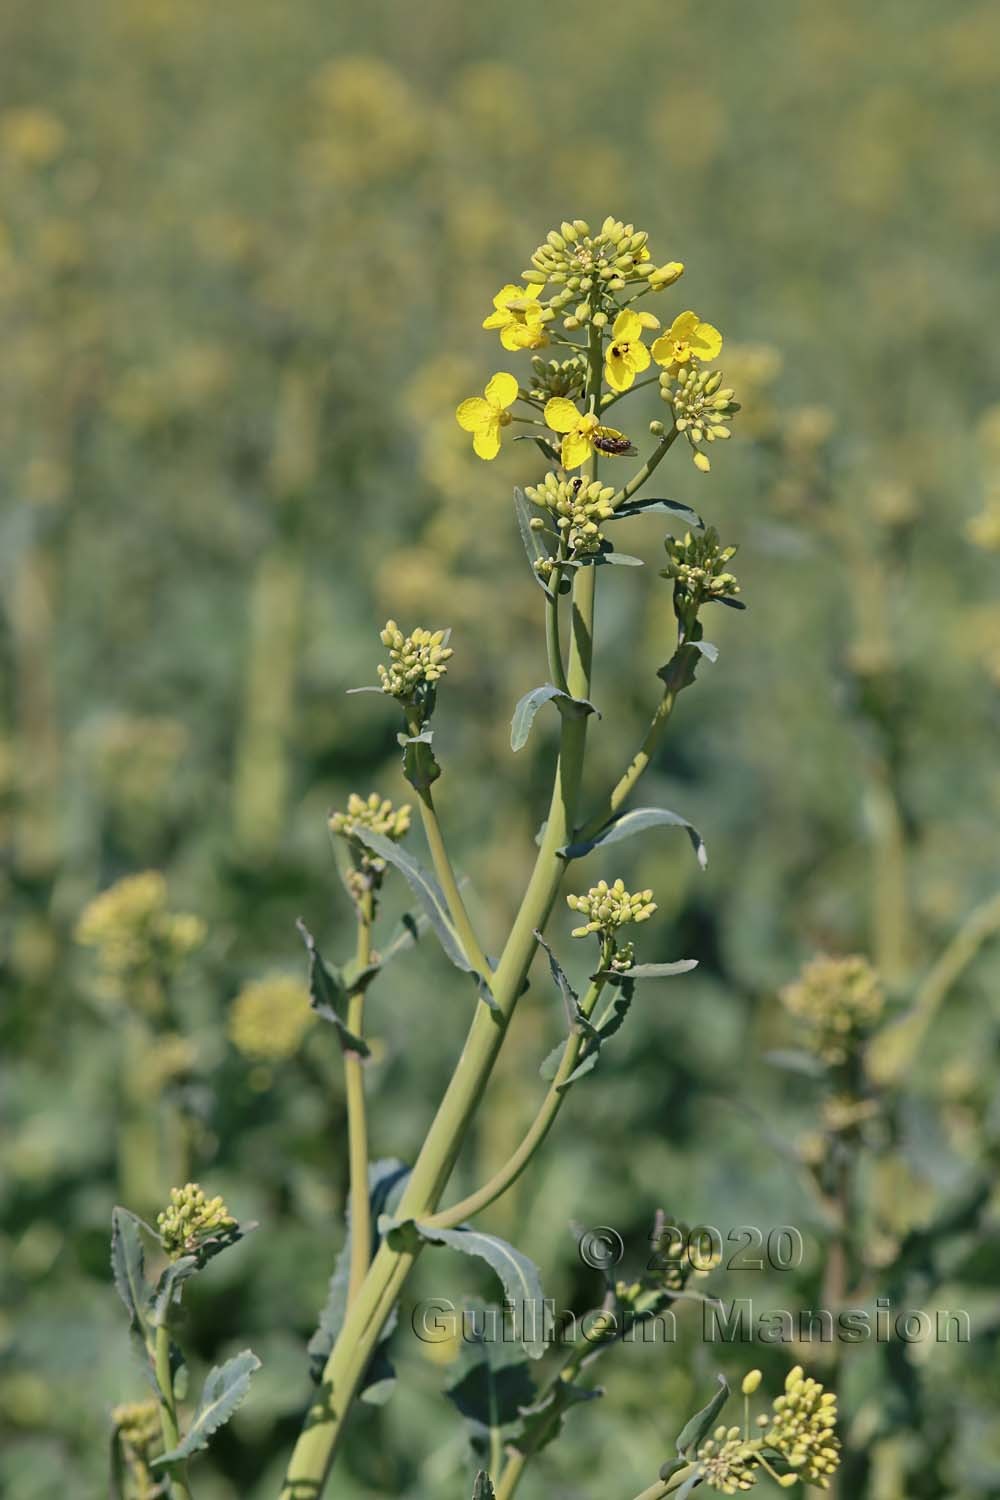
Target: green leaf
571, 999
490, 1382
518, 1274
482, 1488
226, 1387
648, 971
620, 559
625, 825
386, 1181
534, 546
419, 766
169, 1285
696, 1429
671, 1467
128, 1264
543, 1422
424, 887
729, 603
326, 988
653, 506
528, 706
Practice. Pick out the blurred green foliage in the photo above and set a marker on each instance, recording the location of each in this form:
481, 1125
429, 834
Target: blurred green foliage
245, 251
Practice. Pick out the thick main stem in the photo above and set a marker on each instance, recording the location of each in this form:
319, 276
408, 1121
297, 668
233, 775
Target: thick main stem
357, 1121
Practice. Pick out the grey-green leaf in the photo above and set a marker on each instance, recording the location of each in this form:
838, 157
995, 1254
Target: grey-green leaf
694, 1431
128, 1263
654, 506
420, 768
658, 971
424, 887
533, 544
519, 1275
325, 990
528, 706
625, 825
226, 1387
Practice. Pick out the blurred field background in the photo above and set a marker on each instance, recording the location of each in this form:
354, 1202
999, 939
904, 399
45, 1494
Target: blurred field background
245, 251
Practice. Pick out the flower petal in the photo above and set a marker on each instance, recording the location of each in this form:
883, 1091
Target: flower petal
638, 357
561, 415
498, 319
576, 449
487, 440
501, 390
684, 326
626, 326
618, 369
663, 349
474, 414
707, 341
506, 294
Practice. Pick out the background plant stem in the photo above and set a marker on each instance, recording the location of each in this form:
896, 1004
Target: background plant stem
168, 1411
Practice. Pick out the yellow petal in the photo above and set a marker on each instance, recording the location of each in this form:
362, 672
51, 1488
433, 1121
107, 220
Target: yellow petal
626, 326
663, 349
474, 414
501, 390
684, 326
576, 449
638, 357
707, 341
487, 440
506, 294
649, 320
561, 415
498, 319
618, 370
510, 337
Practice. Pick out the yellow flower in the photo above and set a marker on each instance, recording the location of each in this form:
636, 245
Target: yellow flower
519, 317
582, 433
627, 354
687, 338
485, 417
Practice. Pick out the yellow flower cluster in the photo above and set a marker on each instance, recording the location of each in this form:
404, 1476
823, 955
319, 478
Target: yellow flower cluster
608, 907
837, 1000
486, 416
269, 1017
520, 318
696, 562
374, 812
415, 661
190, 1219
574, 260
802, 1428
134, 934
578, 509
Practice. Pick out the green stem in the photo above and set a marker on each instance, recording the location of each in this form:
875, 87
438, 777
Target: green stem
664, 1487
510, 1476
653, 380
357, 1122
553, 644
639, 478
536, 1133
679, 675
168, 1411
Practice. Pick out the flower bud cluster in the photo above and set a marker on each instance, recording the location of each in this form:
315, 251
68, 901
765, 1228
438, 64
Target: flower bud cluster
374, 812
555, 377
729, 1460
415, 661
269, 1018
138, 1422
606, 908
837, 1000
802, 1428
572, 258
190, 1219
577, 508
700, 405
696, 563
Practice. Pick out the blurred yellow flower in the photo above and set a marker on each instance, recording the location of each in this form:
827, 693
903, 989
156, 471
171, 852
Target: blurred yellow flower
269, 1018
582, 433
627, 355
519, 317
687, 338
485, 415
